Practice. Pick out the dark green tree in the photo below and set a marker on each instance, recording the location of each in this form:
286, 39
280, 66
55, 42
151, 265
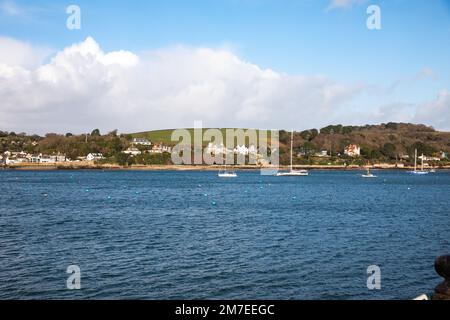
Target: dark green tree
389, 150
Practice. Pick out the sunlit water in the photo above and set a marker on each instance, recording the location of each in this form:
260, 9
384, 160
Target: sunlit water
191, 235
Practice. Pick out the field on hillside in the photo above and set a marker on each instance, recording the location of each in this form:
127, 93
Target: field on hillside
164, 136
384, 142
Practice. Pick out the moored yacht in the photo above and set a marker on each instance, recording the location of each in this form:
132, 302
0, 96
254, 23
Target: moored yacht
291, 171
421, 171
368, 174
226, 173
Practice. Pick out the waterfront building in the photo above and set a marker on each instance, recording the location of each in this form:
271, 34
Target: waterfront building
352, 150
94, 156
133, 151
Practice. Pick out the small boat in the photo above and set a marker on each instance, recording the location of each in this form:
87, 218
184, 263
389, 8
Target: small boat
292, 172
368, 174
421, 171
226, 173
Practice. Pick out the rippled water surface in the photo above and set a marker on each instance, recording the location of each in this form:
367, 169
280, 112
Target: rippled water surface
190, 235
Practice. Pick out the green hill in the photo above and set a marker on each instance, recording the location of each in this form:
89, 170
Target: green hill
164, 136
384, 142
389, 142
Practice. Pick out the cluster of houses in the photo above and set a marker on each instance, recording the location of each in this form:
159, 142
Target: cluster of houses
222, 149
137, 145
10, 158
351, 150
442, 155
354, 151
133, 150
23, 157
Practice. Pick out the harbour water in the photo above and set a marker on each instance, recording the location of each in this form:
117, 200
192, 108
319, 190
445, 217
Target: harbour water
191, 235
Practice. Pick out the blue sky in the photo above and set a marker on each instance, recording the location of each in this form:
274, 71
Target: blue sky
407, 60
289, 36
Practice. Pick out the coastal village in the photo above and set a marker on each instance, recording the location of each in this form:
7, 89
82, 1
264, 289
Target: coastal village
328, 147
21, 157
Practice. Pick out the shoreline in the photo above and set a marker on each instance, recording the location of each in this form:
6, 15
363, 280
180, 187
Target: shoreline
113, 167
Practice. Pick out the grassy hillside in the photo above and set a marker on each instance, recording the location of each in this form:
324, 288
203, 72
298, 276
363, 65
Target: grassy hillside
164, 136
384, 142
379, 143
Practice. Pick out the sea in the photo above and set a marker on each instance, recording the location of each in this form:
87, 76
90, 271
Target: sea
191, 235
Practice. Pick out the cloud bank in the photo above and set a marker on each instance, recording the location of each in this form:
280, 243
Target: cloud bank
82, 88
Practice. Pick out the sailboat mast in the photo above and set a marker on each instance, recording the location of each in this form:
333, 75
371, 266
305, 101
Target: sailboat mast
292, 145
415, 160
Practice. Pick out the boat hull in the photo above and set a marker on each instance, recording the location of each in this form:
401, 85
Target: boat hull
227, 175
419, 173
293, 174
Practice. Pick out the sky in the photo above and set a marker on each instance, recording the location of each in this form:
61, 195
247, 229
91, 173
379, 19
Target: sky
274, 64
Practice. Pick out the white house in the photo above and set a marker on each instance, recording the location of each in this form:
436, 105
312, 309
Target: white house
160, 148
241, 150
8, 161
141, 141
426, 158
404, 156
94, 156
216, 149
252, 149
46, 160
58, 158
132, 151
322, 154
34, 159
352, 150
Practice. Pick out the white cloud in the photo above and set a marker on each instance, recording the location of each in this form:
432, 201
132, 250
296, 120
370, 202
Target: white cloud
10, 8
343, 4
426, 73
82, 88
18, 53
436, 112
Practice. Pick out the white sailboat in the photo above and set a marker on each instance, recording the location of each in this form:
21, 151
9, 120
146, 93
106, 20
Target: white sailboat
293, 172
226, 173
368, 174
421, 171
